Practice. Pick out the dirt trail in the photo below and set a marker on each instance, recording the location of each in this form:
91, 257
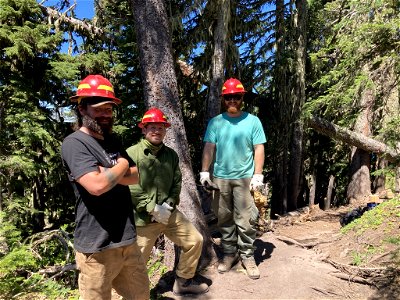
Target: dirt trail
288, 269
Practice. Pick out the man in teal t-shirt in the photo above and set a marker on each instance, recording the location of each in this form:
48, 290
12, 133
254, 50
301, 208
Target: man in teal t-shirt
237, 138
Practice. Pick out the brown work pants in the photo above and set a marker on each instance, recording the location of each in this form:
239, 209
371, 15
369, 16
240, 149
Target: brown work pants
120, 268
182, 233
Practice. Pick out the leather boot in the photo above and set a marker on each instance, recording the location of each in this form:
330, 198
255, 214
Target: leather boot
190, 286
251, 268
228, 262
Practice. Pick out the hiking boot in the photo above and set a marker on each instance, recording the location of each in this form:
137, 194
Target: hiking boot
190, 286
228, 262
251, 268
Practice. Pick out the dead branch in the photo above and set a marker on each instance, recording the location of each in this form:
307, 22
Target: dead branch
325, 292
76, 23
352, 278
358, 271
354, 139
57, 271
309, 245
290, 241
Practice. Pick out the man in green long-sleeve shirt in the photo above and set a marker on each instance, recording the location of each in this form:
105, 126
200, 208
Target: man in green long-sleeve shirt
155, 201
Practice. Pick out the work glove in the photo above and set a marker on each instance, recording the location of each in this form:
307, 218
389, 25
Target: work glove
206, 181
161, 213
256, 181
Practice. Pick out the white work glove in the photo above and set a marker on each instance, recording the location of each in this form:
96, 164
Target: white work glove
205, 178
161, 213
256, 181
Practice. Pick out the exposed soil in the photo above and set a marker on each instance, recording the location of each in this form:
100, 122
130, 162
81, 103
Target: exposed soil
304, 257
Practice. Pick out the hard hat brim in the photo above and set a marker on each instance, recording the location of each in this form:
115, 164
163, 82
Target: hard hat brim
115, 101
141, 124
240, 93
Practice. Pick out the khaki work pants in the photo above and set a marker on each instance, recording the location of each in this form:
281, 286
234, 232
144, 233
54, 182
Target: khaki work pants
120, 268
182, 233
234, 206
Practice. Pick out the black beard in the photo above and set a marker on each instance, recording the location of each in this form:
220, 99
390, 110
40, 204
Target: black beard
94, 126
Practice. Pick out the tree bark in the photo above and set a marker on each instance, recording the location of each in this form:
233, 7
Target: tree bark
298, 99
360, 180
328, 199
354, 139
313, 188
279, 199
218, 59
161, 90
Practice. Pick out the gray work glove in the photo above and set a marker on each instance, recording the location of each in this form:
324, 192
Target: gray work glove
161, 213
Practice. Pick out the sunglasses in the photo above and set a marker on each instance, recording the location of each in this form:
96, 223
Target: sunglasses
233, 97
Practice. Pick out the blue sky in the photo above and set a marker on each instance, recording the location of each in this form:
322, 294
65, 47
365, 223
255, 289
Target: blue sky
84, 8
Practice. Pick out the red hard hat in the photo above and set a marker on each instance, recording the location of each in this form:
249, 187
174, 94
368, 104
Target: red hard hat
95, 86
232, 86
154, 115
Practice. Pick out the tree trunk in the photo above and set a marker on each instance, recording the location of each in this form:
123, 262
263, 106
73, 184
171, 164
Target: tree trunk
280, 163
380, 180
397, 183
313, 188
161, 90
360, 181
354, 138
218, 60
328, 198
296, 153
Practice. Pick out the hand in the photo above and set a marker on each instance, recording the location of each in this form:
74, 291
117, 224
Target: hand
122, 160
205, 178
256, 181
161, 213
167, 206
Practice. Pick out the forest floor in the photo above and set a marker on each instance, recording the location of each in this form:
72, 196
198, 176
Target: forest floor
306, 256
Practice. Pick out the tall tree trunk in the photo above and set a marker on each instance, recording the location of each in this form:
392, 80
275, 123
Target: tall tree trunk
296, 153
161, 90
218, 59
280, 165
360, 182
387, 86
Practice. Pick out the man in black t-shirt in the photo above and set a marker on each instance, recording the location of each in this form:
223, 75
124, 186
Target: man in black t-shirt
100, 171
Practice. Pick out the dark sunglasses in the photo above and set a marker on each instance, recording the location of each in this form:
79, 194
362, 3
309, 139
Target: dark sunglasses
233, 97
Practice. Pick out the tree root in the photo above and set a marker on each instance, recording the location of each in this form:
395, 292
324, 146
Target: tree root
291, 241
377, 277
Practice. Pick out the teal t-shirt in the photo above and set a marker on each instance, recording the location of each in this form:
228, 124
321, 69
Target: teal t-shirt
234, 139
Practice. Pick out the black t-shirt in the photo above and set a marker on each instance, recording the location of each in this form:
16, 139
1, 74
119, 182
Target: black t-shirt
104, 221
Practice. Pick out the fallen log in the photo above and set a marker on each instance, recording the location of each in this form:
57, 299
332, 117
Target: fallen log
354, 139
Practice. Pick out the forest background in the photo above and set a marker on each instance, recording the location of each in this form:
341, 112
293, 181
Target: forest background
322, 76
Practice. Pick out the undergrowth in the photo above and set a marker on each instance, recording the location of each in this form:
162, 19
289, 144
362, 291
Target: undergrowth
377, 232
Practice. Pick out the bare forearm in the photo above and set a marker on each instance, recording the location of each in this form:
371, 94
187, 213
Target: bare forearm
100, 182
130, 177
259, 158
208, 155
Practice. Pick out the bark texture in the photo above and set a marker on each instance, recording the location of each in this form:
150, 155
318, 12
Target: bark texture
298, 99
279, 200
218, 59
161, 90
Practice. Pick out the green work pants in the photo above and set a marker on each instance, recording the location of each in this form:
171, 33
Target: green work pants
234, 206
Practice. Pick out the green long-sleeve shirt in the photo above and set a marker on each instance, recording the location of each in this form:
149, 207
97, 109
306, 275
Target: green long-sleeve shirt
160, 179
